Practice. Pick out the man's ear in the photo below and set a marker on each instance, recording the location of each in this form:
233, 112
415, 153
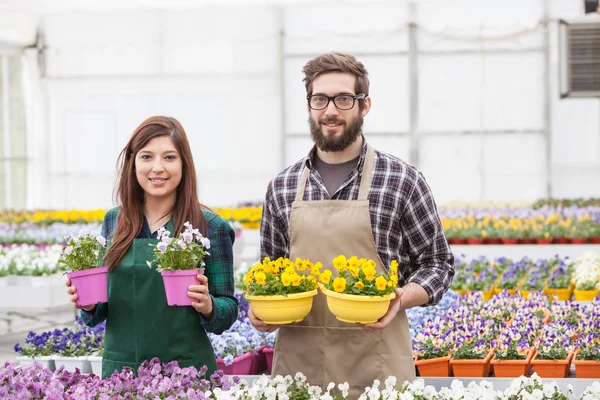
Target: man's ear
366, 107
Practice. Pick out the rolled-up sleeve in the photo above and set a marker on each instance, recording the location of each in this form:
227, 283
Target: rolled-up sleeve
219, 271
431, 259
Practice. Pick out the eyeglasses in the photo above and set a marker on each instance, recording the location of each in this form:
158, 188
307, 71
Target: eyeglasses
341, 101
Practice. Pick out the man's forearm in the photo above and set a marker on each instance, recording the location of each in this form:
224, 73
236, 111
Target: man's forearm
414, 296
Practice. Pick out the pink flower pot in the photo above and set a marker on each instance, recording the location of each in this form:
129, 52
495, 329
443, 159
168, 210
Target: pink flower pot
268, 352
259, 361
91, 284
241, 365
177, 285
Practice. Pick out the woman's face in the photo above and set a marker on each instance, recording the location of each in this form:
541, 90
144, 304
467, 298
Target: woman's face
158, 168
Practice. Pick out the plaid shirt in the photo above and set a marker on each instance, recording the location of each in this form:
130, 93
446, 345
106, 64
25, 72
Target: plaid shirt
404, 219
219, 271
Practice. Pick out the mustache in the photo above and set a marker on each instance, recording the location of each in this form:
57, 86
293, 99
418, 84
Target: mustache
331, 120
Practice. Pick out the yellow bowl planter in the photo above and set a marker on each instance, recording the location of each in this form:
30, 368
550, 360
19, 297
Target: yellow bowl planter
279, 309
585, 295
562, 294
355, 308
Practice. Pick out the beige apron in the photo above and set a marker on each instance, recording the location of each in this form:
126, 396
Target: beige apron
323, 348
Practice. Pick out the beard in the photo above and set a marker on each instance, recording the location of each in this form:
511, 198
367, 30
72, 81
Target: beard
349, 133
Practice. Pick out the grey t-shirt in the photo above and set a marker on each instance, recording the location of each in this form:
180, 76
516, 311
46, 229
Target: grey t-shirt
334, 175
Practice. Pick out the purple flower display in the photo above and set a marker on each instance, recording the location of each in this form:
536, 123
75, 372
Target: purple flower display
152, 380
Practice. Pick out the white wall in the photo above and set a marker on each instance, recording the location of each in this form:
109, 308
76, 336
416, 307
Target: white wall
235, 84
215, 70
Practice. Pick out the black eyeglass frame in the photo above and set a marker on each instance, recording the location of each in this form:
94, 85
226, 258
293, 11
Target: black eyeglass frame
360, 96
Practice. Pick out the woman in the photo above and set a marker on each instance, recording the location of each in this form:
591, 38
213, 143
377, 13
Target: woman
157, 187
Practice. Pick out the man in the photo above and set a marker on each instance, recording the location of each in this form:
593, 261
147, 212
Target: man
346, 198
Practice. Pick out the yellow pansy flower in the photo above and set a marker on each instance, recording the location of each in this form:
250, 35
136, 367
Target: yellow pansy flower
316, 269
353, 270
296, 280
290, 269
353, 262
261, 278
381, 283
359, 285
339, 284
286, 279
340, 262
394, 267
325, 277
369, 272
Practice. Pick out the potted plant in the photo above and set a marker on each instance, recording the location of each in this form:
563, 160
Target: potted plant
359, 294
82, 256
71, 351
432, 351
510, 233
594, 232
587, 357
472, 357
38, 348
559, 284
533, 282
512, 354
586, 289
281, 291
458, 284
553, 356
508, 281
233, 352
179, 261
475, 234
482, 282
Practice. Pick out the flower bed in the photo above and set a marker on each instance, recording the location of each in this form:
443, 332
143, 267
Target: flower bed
525, 225
71, 348
514, 328
154, 380
558, 222
557, 275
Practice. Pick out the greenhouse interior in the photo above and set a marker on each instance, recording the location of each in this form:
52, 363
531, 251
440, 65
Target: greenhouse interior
427, 225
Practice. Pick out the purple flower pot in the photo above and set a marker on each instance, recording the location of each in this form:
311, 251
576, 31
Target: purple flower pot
91, 285
177, 286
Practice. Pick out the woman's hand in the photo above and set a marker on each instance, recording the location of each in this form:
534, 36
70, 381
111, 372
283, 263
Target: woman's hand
203, 303
72, 290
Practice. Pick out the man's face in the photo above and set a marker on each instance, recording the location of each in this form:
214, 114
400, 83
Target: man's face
333, 129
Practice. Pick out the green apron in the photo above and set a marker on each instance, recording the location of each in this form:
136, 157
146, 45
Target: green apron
140, 325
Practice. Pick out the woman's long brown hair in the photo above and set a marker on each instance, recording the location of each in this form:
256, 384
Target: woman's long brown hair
130, 195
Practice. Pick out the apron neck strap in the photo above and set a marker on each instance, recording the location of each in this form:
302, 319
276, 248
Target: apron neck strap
365, 180
302, 184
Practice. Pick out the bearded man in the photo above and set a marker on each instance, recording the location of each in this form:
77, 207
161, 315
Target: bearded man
346, 198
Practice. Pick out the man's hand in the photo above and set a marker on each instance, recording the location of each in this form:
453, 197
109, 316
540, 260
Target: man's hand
259, 325
395, 306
